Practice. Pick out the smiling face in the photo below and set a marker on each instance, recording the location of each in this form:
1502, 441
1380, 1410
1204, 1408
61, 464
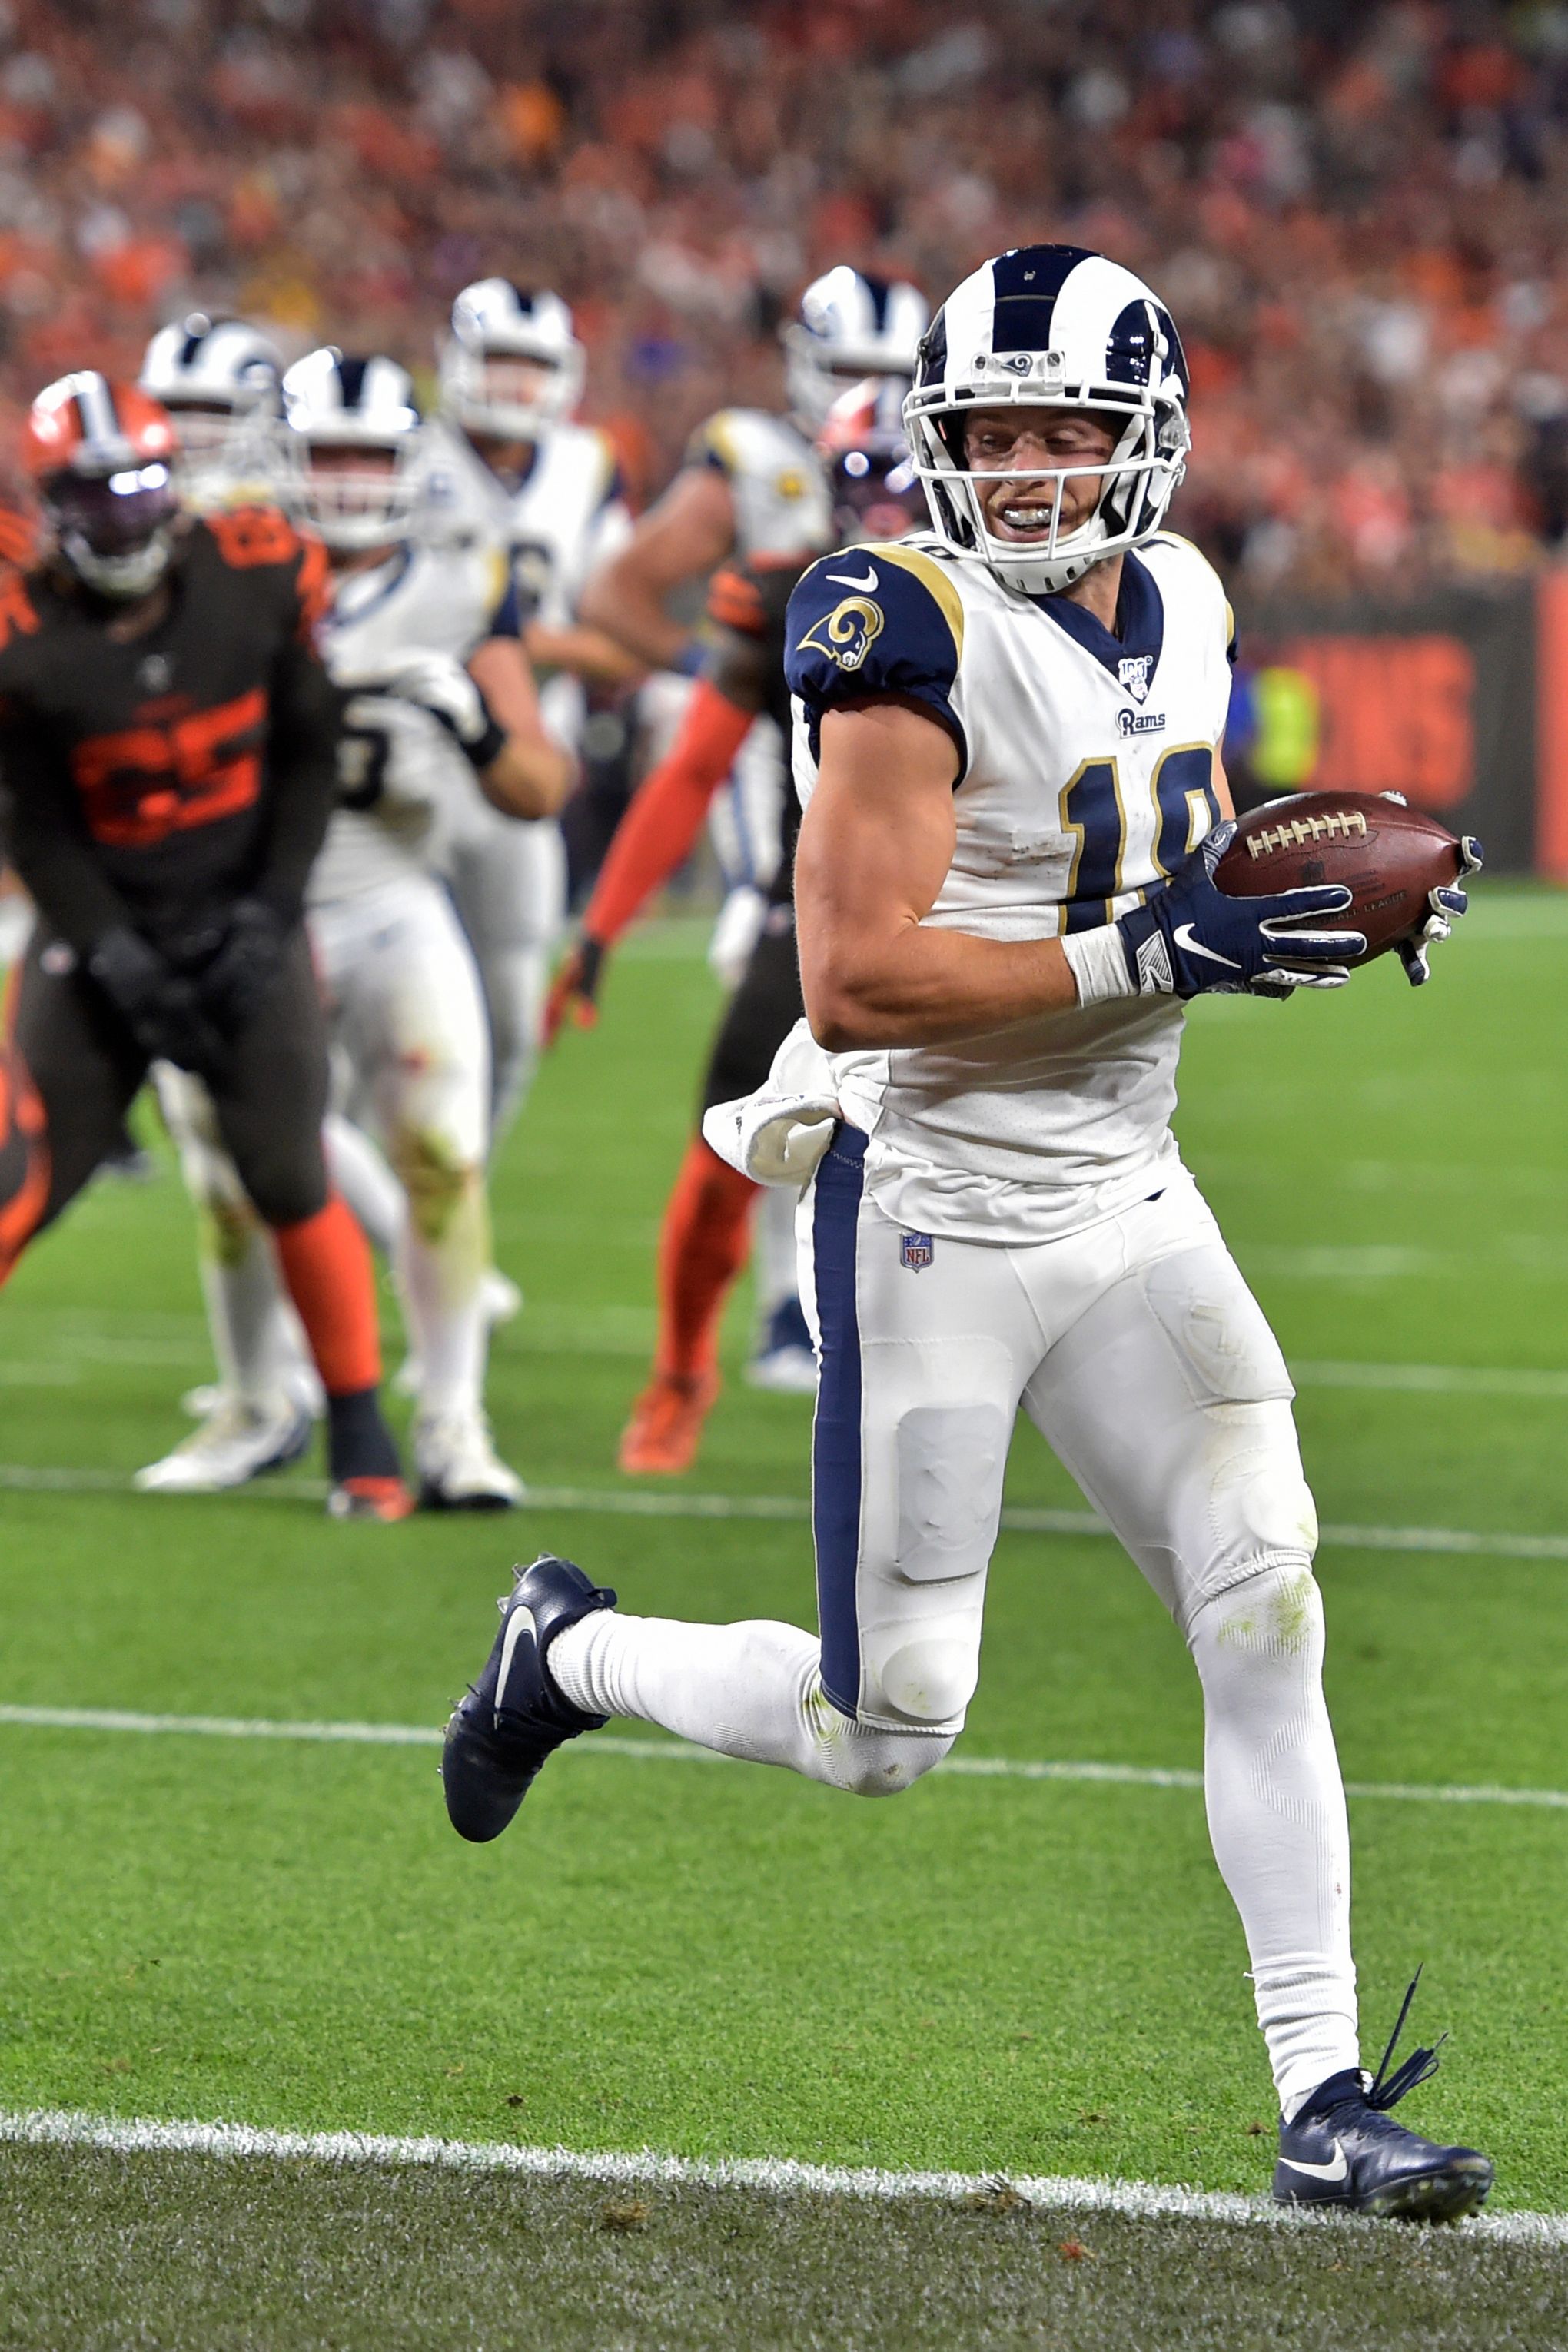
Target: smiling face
1015, 443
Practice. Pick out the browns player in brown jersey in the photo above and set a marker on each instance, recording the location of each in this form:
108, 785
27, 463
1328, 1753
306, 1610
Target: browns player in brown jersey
168, 763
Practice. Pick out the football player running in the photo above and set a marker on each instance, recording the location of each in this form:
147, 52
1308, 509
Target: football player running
410, 627
703, 1245
1008, 738
505, 464
169, 755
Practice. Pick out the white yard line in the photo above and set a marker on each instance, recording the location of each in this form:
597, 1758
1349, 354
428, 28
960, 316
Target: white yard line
58, 2128
657, 1503
681, 1751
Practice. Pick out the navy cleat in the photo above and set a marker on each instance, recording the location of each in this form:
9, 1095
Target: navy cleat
513, 1716
1343, 2148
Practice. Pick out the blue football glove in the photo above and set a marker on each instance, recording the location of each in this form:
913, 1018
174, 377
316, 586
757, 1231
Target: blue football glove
1448, 905
1193, 938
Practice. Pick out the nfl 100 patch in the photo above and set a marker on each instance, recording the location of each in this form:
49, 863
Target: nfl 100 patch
916, 1251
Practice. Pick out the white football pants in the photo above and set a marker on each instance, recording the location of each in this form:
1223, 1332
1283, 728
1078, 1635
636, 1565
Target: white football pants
407, 1023
1140, 1356
509, 881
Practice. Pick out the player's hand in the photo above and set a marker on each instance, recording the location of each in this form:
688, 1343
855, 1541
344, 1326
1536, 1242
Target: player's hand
158, 1005
443, 687
233, 984
1447, 906
1191, 938
574, 990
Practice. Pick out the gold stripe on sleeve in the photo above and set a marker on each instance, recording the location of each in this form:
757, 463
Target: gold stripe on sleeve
932, 578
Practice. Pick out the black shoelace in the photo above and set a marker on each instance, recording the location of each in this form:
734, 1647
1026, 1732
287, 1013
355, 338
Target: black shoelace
1388, 2089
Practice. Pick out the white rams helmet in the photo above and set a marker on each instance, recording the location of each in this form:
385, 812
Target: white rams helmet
219, 380
1053, 326
334, 403
496, 320
850, 326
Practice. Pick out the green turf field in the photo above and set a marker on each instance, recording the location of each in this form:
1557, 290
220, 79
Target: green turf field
1002, 1974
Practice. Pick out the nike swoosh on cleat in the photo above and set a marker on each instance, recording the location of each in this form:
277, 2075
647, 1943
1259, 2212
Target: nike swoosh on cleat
1335, 2171
847, 580
1183, 935
521, 1621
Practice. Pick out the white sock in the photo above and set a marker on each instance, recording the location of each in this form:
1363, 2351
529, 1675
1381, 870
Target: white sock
441, 1274
1277, 1818
517, 979
362, 1175
255, 1334
773, 1266
752, 1690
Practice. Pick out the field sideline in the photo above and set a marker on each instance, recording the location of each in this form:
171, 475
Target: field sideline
1027, 1973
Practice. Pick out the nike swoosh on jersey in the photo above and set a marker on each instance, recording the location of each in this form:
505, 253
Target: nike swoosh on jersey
847, 580
1183, 935
521, 1621
1335, 2171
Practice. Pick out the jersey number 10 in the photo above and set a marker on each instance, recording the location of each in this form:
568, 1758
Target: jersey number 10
1095, 819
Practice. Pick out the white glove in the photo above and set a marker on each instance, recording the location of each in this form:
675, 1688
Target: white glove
441, 685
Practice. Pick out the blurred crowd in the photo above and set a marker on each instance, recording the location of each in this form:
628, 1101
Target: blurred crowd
1358, 213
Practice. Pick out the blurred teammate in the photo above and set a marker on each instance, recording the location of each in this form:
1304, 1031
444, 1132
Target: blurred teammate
505, 464
218, 379
403, 618
753, 483
168, 748
1008, 741
706, 1223
754, 486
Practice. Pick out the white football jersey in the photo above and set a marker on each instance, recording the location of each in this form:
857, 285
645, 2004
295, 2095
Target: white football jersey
781, 502
423, 598
560, 525
1087, 765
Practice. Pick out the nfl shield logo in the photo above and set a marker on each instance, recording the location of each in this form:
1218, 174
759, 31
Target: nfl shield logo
916, 1251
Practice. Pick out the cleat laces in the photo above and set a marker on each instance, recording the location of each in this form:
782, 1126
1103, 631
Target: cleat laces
1387, 2090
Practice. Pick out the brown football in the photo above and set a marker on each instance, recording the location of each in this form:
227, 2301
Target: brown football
1388, 856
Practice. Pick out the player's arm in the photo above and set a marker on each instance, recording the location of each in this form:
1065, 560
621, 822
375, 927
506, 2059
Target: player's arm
45, 835
586, 653
1223, 800
527, 773
682, 537
876, 843
306, 718
658, 832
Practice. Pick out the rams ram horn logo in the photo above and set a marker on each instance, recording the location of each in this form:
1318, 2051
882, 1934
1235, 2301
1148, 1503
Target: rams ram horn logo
849, 633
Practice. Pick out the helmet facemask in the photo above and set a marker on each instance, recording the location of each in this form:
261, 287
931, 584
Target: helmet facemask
1138, 477
353, 503
502, 391
220, 444
871, 479
115, 531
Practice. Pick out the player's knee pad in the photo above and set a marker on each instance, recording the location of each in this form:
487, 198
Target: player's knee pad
439, 1177
1269, 1619
1254, 1511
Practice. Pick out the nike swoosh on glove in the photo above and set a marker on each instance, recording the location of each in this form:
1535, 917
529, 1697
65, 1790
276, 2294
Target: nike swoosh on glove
1193, 938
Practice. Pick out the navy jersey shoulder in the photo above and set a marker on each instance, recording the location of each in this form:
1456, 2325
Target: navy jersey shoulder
882, 619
